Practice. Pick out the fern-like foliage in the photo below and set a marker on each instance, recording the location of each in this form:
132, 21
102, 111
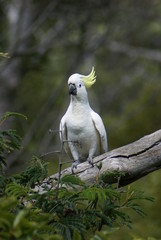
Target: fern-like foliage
35, 173
11, 114
26, 223
17, 190
75, 211
9, 139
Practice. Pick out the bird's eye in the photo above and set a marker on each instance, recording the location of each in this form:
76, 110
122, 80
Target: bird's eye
79, 85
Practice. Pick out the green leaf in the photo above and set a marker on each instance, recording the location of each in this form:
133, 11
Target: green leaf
35, 173
21, 215
4, 55
17, 190
92, 193
76, 235
71, 180
99, 166
11, 114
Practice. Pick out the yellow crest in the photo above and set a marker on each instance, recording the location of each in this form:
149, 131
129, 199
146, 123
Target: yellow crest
90, 79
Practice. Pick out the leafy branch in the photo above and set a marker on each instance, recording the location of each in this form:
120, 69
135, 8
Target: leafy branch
4, 55
72, 211
9, 139
11, 114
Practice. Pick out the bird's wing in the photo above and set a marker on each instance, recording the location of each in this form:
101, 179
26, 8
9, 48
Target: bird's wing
98, 123
63, 136
62, 130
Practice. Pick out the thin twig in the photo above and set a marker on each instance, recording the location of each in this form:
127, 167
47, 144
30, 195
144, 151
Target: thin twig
54, 131
48, 153
60, 164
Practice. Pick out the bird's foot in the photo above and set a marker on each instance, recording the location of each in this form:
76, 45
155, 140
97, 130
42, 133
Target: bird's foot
90, 161
74, 165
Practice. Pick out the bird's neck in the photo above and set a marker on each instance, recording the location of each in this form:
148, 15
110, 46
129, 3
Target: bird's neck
79, 103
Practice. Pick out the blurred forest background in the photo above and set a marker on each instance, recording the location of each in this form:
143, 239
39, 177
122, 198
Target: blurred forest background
47, 41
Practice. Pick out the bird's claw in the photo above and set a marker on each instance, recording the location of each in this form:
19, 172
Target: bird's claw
74, 166
90, 161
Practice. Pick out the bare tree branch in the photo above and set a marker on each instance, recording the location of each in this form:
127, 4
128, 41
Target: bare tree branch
135, 52
130, 162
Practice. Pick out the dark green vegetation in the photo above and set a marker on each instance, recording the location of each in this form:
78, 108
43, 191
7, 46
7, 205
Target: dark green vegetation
49, 40
74, 211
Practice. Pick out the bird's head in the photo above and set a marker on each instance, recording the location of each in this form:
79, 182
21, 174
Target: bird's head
78, 83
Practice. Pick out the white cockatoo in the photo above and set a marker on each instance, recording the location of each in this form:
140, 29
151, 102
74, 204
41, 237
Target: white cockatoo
82, 131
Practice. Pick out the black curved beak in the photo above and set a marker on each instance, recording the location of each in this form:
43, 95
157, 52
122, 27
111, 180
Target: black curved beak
72, 89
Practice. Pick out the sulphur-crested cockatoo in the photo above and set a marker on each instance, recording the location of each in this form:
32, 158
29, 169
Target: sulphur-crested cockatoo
81, 129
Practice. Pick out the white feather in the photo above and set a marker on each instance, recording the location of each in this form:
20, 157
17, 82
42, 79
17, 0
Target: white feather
97, 120
81, 129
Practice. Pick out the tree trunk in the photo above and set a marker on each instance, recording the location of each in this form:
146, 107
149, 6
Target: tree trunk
129, 162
